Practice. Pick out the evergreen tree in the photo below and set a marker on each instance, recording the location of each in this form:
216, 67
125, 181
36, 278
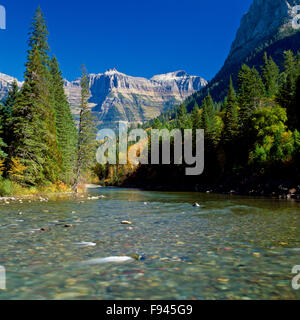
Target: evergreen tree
65, 126
39, 37
209, 121
296, 104
231, 119
270, 76
2, 144
87, 132
287, 95
251, 91
196, 117
33, 119
6, 112
157, 124
183, 119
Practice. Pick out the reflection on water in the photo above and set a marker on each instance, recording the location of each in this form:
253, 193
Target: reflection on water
229, 248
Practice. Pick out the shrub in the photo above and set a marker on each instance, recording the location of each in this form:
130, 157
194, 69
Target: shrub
6, 188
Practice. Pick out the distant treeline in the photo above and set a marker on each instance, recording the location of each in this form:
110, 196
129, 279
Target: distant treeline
255, 130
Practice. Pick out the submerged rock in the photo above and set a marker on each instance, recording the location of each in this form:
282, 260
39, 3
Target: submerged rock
126, 222
108, 260
85, 244
196, 205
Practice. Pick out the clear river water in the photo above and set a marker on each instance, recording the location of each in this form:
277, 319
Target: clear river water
228, 248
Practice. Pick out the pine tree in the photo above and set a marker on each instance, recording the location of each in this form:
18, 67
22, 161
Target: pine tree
270, 76
65, 126
231, 118
39, 37
2, 144
287, 95
87, 132
5, 114
156, 124
296, 104
209, 121
196, 117
33, 120
251, 91
183, 120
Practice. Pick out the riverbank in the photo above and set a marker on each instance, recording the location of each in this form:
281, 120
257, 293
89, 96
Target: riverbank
286, 188
46, 195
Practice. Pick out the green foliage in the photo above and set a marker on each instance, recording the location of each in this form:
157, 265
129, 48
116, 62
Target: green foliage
64, 123
87, 132
40, 131
6, 188
183, 120
270, 76
251, 90
231, 117
196, 117
274, 145
288, 95
209, 121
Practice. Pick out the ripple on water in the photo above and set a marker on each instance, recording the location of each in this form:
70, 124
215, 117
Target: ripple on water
227, 248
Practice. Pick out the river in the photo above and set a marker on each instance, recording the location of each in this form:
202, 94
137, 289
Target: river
228, 248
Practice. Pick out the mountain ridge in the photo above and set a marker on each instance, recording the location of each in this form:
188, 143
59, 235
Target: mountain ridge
116, 96
266, 27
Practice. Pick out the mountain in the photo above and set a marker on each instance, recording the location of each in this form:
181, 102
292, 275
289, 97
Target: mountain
116, 96
266, 27
5, 83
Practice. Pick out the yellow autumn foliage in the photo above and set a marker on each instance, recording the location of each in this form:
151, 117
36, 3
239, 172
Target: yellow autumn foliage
2, 167
17, 168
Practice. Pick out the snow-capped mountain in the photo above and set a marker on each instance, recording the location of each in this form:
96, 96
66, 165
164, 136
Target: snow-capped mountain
5, 83
116, 96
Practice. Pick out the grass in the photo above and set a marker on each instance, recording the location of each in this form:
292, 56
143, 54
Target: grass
10, 188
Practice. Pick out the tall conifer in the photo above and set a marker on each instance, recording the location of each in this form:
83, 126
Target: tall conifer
86, 147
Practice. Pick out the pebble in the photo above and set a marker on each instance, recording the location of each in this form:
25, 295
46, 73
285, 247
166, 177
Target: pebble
86, 244
109, 260
126, 222
196, 205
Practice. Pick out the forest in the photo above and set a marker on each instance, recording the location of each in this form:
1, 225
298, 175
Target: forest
41, 148
252, 138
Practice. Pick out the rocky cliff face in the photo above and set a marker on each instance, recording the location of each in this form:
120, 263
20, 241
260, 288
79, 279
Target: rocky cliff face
266, 27
265, 20
118, 97
5, 84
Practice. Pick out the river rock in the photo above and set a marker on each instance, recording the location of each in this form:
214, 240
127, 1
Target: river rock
126, 222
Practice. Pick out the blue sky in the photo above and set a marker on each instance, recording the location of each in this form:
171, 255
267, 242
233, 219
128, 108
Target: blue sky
137, 37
